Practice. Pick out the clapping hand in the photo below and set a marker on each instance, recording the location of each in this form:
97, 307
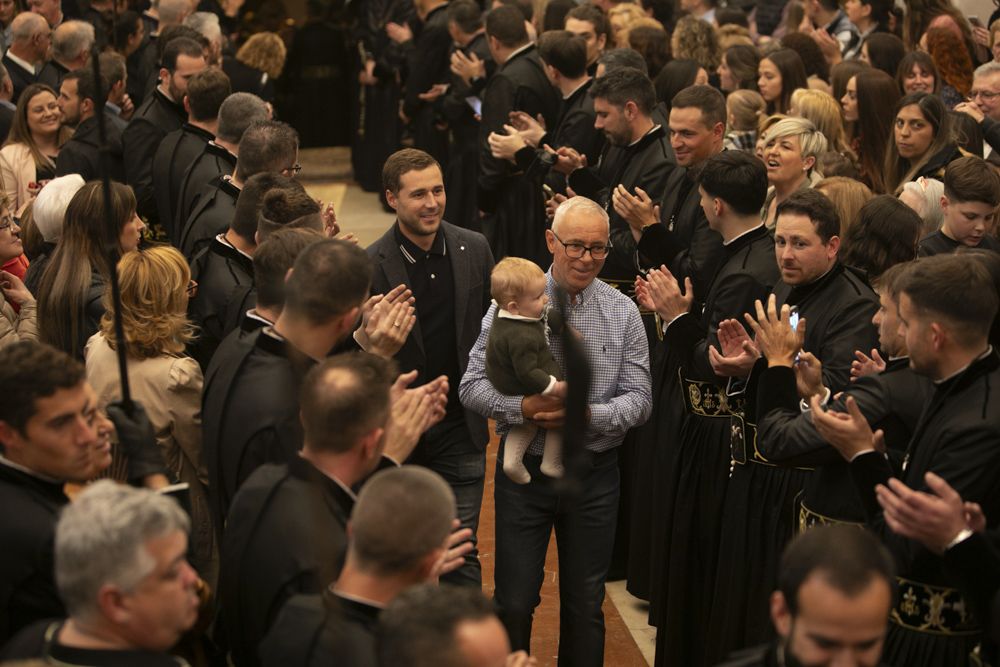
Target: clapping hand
934, 519
659, 291
399, 32
864, 365
435, 91
505, 146
568, 159
531, 129
638, 210
412, 412
773, 332
738, 354
459, 544
386, 321
467, 67
848, 432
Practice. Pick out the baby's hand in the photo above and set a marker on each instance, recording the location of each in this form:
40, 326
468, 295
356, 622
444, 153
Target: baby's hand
559, 389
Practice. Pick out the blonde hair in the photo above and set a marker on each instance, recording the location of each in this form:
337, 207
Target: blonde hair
733, 35
697, 40
848, 196
264, 51
826, 114
811, 140
154, 285
511, 277
745, 107
631, 13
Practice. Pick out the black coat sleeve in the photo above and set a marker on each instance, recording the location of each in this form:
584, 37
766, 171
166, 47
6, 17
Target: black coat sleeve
141, 139
427, 64
72, 161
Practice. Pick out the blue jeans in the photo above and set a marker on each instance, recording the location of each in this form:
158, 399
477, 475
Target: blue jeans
448, 450
585, 535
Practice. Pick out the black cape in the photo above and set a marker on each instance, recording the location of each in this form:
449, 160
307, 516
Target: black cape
211, 216
173, 157
220, 271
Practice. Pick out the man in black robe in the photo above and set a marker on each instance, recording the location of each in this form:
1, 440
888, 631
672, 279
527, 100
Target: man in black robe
251, 405
52, 433
336, 623
891, 400
206, 92
691, 462
82, 153
218, 156
160, 114
514, 208
465, 23
286, 533
266, 146
427, 54
760, 506
831, 603
956, 438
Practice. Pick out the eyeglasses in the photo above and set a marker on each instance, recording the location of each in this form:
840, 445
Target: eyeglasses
294, 169
577, 250
985, 94
192, 289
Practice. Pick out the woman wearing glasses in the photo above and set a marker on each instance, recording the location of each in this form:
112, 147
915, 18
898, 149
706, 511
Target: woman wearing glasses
70, 291
155, 288
15, 324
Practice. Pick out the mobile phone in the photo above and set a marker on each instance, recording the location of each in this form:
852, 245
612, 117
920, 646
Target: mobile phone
476, 104
793, 318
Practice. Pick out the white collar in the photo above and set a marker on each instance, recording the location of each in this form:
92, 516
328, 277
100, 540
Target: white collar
651, 130
221, 238
254, 315
736, 238
28, 471
966, 367
507, 315
517, 51
21, 61
574, 91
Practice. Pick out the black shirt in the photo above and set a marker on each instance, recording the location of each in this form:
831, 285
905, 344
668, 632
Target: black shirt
939, 243
433, 286
41, 641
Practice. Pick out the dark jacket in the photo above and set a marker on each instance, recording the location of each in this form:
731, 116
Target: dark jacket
211, 216
471, 263
682, 241
937, 243
214, 161
428, 63
646, 164
52, 74
219, 269
246, 79
286, 535
516, 204
28, 588
518, 359
153, 120
173, 157
82, 153
19, 77
40, 641
891, 401
250, 413
6, 120
323, 629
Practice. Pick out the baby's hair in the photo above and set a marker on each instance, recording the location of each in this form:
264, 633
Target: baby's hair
511, 277
746, 107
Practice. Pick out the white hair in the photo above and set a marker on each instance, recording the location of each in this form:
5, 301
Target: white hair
26, 24
207, 25
71, 39
101, 539
578, 205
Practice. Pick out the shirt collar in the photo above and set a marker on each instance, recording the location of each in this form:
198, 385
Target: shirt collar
519, 51
651, 130
411, 250
737, 238
254, 315
507, 315
28, 471
221, 238
582, 298
21, 61
577, 89
989, 350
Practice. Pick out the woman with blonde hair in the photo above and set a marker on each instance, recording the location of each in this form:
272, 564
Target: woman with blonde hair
155, 288
848, 196
696, 40
256, 65
621, 17
791, 149
28, 157
825, 114
743, 111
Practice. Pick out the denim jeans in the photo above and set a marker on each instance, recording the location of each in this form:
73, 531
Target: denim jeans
448, 450
585, 535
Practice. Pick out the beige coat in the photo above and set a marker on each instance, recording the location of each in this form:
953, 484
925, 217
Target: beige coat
17, 326
17, 169
169, 388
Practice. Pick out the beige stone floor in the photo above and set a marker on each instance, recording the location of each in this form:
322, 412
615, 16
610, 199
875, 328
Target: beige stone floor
326, 174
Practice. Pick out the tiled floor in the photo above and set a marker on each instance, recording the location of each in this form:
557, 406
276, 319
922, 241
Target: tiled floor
630, 641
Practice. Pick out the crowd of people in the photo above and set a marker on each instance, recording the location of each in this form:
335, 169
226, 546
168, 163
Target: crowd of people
722, 278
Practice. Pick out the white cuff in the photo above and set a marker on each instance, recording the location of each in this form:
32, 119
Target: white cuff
862, 453
552, 384
358, 337
962, 536
804, 404
666, 325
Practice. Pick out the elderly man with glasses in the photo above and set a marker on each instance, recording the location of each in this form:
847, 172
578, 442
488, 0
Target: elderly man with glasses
984, 107
619, 398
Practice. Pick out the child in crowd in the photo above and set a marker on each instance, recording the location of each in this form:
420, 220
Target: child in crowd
743, 109
518, 359
971, 196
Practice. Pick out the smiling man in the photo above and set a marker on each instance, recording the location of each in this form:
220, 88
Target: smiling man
971, 196
837, 306
447, 269
619, 399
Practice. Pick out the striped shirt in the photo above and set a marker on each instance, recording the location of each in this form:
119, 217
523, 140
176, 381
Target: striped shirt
615, 342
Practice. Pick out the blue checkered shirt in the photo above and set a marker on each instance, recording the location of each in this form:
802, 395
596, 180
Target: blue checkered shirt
615, 341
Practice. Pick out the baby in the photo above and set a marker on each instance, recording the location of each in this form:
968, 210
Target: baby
518, 359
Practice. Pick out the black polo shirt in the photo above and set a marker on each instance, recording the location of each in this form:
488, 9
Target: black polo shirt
432, 282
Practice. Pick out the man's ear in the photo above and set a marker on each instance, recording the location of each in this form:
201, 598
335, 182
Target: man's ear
391, 199
10, 438
781, 616
187, 104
